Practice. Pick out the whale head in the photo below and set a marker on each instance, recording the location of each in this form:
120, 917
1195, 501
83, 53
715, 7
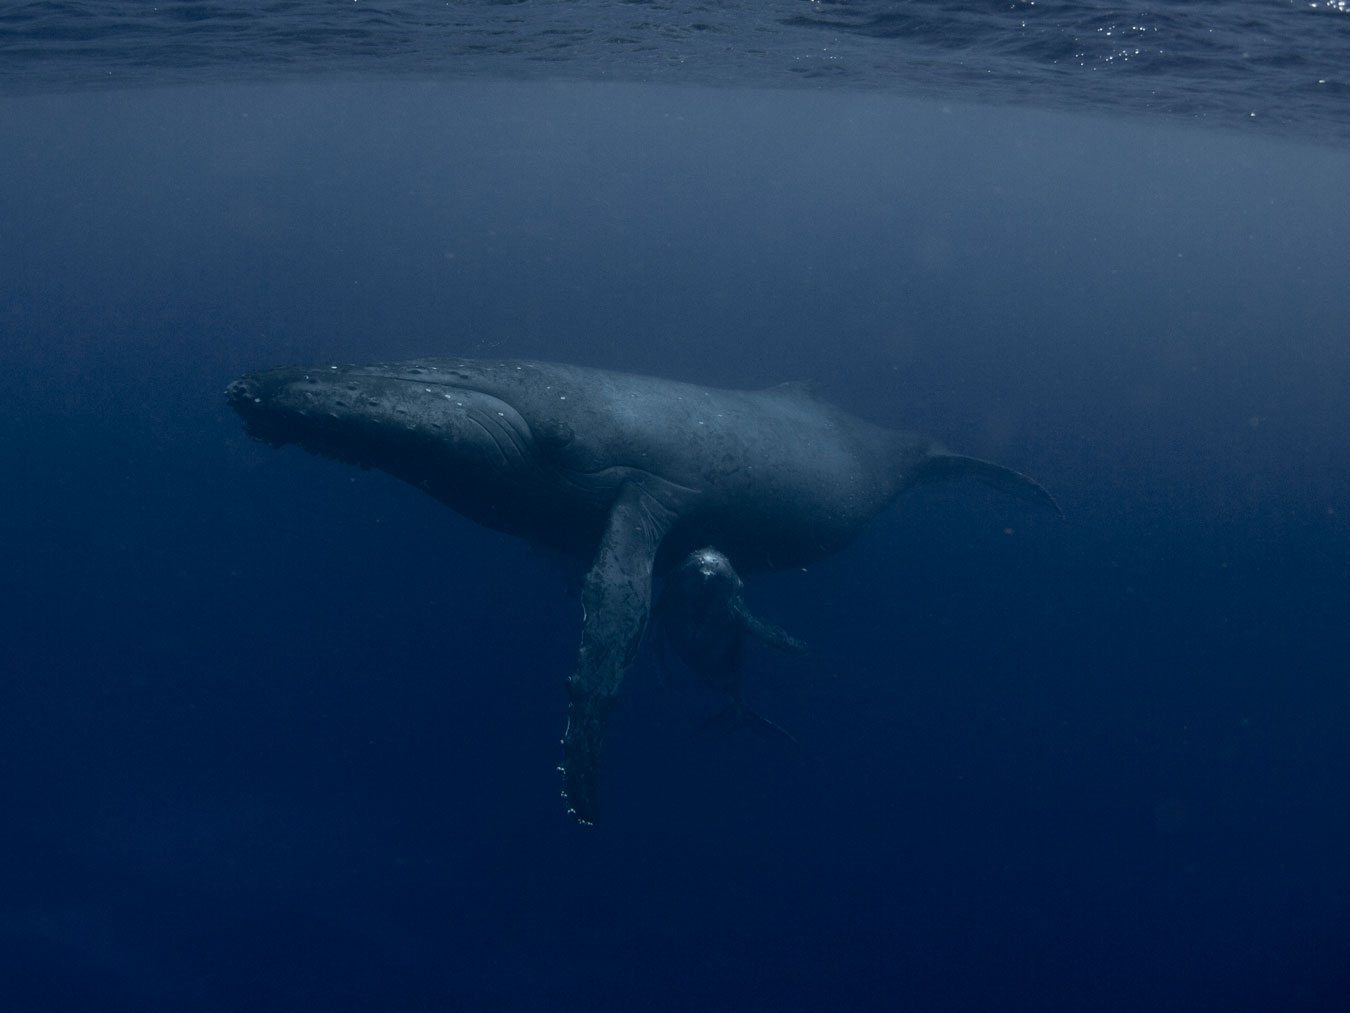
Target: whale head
378, 415
452, 431
705, 579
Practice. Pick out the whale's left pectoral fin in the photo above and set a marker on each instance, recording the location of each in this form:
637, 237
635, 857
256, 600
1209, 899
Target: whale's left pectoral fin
616, 596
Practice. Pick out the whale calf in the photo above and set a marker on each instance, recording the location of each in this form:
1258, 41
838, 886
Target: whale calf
628, 473
703, 617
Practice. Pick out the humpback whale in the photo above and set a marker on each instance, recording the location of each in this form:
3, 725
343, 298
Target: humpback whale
703, 616
628, 473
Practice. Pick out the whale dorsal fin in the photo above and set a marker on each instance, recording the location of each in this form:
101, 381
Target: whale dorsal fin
803, 390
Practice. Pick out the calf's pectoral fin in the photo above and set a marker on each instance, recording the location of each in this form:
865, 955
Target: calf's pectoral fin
736, 717
766, 632
616, 596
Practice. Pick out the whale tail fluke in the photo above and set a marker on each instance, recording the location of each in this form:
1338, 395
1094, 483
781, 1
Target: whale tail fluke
940, 467
735, 718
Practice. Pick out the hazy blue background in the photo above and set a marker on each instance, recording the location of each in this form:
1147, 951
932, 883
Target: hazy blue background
279, 734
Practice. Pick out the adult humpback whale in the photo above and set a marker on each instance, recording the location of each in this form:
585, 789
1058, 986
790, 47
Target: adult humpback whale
631, 473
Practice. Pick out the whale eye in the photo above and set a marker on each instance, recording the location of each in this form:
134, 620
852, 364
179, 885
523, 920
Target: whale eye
552, 435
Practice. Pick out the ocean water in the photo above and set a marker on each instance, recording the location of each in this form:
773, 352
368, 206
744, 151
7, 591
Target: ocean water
281, 734
1275, 66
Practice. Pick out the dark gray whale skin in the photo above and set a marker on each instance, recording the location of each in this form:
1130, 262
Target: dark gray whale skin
630, 473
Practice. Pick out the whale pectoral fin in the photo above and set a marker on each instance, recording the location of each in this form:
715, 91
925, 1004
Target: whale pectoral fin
768, 633
736, 717
939, 467
616, 596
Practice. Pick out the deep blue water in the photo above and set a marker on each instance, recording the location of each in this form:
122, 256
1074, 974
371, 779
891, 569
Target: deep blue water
280, 734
